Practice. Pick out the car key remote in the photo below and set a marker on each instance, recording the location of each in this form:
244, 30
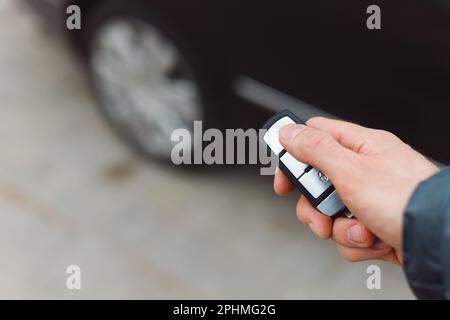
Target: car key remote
312, 183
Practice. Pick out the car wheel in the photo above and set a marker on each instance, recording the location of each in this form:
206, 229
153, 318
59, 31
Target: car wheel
147, 81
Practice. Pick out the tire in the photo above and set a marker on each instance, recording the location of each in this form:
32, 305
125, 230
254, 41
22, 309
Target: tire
148, 79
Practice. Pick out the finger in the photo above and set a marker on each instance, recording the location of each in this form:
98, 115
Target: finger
320, 224
281, 183
352, 233
348, 134
378, 251
393, 258
319, 149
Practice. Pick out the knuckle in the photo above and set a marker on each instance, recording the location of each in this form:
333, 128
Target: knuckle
386, 135
315, 121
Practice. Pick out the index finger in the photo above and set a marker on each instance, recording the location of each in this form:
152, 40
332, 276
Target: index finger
281, 183
350, 135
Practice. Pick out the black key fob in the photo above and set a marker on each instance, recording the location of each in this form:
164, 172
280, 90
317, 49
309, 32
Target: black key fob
313, 184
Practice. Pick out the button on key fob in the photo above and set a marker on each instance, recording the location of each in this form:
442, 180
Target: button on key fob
312, 183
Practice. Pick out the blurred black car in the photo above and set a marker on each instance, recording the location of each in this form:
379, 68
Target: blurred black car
158, 64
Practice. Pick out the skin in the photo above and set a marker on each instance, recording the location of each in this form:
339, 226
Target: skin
375, 174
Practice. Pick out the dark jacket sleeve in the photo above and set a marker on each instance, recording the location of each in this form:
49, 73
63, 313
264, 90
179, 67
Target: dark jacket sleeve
426, 238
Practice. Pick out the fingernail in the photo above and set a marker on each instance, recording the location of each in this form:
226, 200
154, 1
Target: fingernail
319, 232
355, 234
289, 132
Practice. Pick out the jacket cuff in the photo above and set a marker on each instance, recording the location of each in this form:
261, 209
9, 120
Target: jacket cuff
423, 236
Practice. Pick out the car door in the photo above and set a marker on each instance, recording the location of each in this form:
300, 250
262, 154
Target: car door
322, 53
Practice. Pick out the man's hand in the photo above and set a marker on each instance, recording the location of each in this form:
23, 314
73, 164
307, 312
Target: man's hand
375, 174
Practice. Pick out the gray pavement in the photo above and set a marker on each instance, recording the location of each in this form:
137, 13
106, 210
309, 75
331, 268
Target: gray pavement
71, 193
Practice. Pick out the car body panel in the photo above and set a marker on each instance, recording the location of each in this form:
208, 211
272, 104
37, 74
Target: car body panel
322, 54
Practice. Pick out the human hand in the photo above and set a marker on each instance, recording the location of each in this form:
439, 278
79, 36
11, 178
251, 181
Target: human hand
375, 174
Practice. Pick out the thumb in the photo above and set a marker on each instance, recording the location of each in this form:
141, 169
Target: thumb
318, 149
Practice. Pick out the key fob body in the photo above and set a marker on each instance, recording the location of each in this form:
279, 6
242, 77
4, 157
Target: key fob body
312, 183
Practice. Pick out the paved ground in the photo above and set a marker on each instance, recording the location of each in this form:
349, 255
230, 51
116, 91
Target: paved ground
72, 193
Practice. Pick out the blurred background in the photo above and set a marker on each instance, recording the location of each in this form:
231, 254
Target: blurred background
73, 192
